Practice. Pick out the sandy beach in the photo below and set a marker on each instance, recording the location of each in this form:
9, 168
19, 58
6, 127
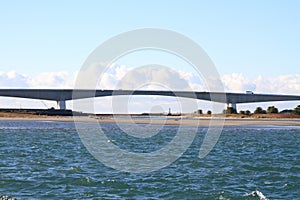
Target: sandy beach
188, 121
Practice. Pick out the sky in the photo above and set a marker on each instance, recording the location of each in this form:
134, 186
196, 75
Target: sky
255, 45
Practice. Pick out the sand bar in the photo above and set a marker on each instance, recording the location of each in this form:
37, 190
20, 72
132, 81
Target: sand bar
196, 121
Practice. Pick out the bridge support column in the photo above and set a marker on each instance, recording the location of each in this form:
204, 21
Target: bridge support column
232, 105
61, 105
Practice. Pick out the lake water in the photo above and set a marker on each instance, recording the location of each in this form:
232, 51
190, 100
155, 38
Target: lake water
47, 160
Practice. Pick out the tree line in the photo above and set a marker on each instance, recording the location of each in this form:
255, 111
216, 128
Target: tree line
260, 110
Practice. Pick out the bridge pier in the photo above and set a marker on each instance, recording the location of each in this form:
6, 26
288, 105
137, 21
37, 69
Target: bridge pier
232, 105
61, 105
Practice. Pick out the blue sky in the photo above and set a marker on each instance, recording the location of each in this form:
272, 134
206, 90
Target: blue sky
250, 38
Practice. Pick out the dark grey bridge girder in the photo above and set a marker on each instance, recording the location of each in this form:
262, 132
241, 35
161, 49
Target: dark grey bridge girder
67, 94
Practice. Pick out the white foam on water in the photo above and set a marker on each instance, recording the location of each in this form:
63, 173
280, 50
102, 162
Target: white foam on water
258, 194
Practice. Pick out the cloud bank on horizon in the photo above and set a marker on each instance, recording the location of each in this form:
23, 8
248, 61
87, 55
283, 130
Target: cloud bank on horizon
129, 78
235, 82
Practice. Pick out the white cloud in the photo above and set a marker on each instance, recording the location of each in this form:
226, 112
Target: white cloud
154, 77
237, 83
52, 80
121, 71
150, 77
285, 84
12, 79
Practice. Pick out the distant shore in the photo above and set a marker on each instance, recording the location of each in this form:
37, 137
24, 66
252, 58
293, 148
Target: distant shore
189, 120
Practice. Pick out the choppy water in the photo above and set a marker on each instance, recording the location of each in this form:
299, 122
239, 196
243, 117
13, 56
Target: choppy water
46, 160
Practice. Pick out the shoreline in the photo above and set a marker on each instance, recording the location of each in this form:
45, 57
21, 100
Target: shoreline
186, 121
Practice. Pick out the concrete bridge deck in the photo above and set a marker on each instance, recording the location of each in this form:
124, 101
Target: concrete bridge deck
62, 95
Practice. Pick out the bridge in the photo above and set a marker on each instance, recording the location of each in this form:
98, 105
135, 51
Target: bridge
63, 95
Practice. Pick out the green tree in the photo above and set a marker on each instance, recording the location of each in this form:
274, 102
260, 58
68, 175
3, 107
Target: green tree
272, 109
248, 112
230, 110
297, 110
242, 112
209, 112
199, 112
259, 110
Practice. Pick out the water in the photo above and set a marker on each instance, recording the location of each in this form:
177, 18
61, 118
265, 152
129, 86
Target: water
46, 160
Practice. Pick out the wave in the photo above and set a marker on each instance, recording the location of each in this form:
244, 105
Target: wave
257, 193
